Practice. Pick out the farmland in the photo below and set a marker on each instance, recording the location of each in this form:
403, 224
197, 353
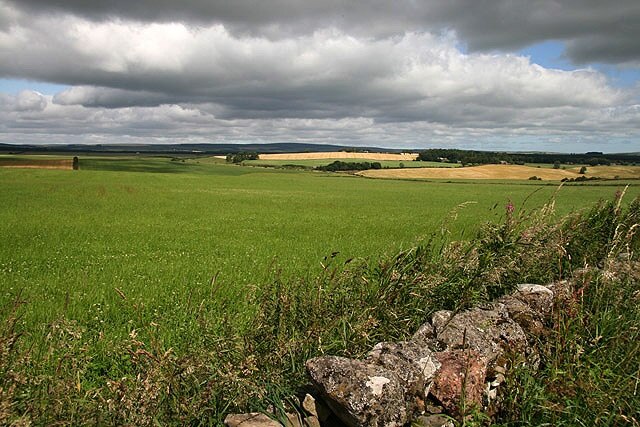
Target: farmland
497, 172
157, 229
339, 155
161, 246
312, 163
73, 237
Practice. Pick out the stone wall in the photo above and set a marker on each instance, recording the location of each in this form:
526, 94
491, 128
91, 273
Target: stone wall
451, 365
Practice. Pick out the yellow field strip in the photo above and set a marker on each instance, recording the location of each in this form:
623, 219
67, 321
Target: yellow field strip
340, 155
503, 172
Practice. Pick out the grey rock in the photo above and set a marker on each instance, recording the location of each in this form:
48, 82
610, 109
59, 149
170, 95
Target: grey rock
359, 393
294, 420
538, 297
413, 363
426, 337
250, 420
309, 405
433, 409
433, 421
491, 333
315, 408
312, 422
530, 307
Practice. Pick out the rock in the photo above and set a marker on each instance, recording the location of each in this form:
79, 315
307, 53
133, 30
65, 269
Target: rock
424, 333
530, 307
255, 419
462, 373
413, 363
309, 405
312, 422
426, 337
433, 421
538, 297
315, 408
294, 420
359, 393
250, 420
433, 409
491, 333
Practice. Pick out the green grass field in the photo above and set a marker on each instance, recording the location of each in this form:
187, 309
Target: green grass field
125, 243
72, 237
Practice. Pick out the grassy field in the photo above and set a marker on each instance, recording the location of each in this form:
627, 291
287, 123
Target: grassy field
160, 245
158, 228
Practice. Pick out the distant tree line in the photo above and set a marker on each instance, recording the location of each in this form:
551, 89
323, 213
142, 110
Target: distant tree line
466, 157
242, 156
349, 166
580, 179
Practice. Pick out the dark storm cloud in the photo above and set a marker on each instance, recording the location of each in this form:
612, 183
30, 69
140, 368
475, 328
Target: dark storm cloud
595, 30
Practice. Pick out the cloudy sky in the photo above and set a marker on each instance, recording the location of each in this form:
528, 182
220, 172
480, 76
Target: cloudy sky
553, 75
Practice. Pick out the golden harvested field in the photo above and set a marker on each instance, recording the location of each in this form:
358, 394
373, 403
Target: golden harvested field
503, 172
611, 172
340, 155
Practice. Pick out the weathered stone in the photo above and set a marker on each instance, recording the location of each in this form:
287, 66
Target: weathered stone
250, 420
462, 373
538, 297
531, 321
294, 420
312, 422
359, 393
433, 421
424, 332
309, 405
413, 363
316, 408
425, 336
433, 409
256, 419
489, 332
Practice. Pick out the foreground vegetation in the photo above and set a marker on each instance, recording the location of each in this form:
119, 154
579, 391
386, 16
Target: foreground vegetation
174, 298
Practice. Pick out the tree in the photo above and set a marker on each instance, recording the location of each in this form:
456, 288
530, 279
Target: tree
242, 156
556, 164
583, 170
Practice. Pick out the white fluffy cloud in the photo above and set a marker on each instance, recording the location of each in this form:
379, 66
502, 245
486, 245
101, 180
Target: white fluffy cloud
134, 79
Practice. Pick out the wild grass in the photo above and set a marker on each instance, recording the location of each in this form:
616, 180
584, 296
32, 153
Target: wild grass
590, 372
118, 309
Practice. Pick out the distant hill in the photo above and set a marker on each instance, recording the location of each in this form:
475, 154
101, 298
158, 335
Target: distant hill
433, 154
283, 147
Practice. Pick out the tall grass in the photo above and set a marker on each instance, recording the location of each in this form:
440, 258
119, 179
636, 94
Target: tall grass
591, 361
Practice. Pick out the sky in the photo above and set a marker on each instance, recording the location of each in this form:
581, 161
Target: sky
516, 75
